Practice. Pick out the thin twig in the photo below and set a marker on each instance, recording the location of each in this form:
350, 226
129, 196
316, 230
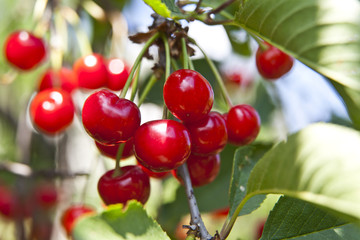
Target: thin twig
194, 210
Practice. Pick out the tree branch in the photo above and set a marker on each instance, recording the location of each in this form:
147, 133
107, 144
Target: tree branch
196, 219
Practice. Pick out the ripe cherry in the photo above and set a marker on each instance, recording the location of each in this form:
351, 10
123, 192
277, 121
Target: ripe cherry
118, 74
162, 145
243, 124
272, 63
24, 50
64, 79
110, 119
91, 71
45, 195
209, 135
188, 95
239, 78
52, 110
7, 202
72, 214
202, 169
158, 175
132, 183
112, 150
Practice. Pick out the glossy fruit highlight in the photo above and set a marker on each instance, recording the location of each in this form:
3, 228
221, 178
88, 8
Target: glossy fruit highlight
24, 50
188, 95
133, 183
52, 110
110, 119
162, 145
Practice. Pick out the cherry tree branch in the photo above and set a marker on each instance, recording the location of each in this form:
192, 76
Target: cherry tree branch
196, 220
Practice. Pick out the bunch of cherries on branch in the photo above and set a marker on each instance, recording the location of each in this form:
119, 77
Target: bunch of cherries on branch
190, 132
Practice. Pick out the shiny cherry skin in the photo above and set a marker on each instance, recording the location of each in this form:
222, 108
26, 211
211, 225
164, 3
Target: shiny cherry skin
243, 124
112, 150
202, 169
65, 79
162, 145
118, 73
24, 50
188, 95
72, 214
209, 135
52, 111
152, 174
91, 71
110, 119
272, 63
132, 183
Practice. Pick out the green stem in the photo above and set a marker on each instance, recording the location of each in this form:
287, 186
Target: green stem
135, 84
217, 76
261, 43
137, 62
117, 172
147, 89
174, 64
191, 65
184, 54
167, 56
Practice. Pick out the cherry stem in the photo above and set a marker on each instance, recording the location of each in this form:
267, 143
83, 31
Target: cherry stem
261, 43
184, 54
167, 56
217, 76
117, 172
147, 89
194, 210
137, 63
135, 84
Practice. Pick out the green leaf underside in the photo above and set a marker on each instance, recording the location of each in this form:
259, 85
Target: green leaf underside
116, 224
245, 159
165, 8
320, 164
323, 34
292, 218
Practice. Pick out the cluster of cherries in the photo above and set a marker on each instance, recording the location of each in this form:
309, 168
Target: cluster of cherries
192, 134
195, 135
52, 109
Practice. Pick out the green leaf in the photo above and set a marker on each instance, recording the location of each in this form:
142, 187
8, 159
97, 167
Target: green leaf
117, 224
165, 8
351, 98
292, 218
346, 232
319, 164
245, 159
323, 34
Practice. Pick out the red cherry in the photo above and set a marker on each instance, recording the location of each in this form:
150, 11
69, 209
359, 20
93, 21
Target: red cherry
91, 71
209, 135
110, 119
202, 169
24, 50
243, 124
64, 79
118, 74
52, 110
221, 212
7, 202
272, 63
188, 95
133, 183
162, 145
112, 150
240, 78
73, 214
45, 195
158, 175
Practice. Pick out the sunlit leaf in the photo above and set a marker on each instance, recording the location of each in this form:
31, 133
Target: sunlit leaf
117, 224
320, 164
323, 34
